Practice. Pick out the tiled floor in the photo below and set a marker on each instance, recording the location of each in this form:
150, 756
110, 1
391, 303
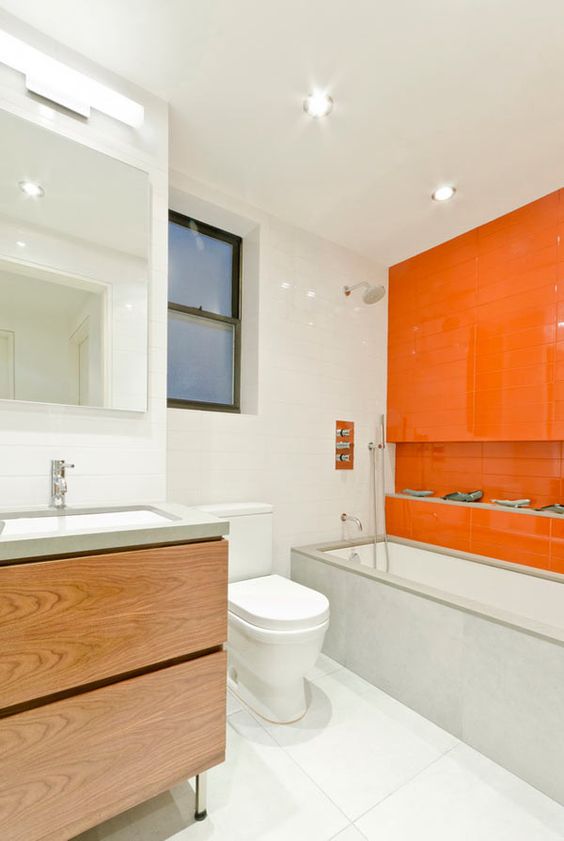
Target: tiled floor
358, 766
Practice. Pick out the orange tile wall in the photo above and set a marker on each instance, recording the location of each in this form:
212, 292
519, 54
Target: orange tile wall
505, 535
512, 469
476, 333
476, 384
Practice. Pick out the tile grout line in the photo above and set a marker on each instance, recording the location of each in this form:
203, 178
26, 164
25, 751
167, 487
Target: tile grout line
350, 822
333, 837
297, 765
406, 782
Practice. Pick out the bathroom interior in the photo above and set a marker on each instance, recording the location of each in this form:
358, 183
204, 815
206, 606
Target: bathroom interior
281, 421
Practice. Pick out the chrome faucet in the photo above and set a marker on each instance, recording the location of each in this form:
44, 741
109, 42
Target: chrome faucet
59, 482
350, 518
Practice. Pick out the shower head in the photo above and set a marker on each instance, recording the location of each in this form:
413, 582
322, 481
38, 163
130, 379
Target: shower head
371, 295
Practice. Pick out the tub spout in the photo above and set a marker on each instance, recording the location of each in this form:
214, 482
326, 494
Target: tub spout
349, 518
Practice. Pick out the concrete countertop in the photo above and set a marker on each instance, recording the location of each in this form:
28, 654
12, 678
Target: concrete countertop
183, 525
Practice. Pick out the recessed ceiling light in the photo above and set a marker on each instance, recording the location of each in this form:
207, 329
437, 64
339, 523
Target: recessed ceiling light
20, 243
318, 104
30, 188
443, 193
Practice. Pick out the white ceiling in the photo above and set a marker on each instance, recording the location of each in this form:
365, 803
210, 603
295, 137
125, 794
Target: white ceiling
462, 91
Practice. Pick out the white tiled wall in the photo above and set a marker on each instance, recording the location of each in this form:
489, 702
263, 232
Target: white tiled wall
119, 456
322, 357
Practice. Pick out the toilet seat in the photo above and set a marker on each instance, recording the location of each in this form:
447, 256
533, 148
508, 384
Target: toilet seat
274, 603
270, 638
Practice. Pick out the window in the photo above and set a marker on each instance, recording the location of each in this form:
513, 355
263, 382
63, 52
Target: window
204, 321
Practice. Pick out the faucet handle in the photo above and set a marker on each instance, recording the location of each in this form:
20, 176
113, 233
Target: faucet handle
60, 465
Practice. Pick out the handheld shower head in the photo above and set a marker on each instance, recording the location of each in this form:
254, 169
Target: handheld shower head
371, 295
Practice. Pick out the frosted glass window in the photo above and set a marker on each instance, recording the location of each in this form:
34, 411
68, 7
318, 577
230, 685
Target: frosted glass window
200, 273
200, 359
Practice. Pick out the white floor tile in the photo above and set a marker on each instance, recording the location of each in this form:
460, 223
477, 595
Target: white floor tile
465, 797
259, 794
234, 705
351, 833
357, 755
324, 666
357, 743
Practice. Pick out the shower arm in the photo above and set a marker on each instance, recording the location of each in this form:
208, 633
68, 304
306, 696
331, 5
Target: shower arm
348, 289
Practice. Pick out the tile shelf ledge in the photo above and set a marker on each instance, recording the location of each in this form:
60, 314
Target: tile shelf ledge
486, 506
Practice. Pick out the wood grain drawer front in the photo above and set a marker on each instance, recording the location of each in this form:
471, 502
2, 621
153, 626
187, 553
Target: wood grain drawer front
72, 622
67, 766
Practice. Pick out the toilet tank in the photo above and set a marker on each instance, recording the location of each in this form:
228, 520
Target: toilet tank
250, 537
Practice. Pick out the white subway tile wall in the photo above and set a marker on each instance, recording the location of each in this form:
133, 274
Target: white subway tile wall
322, 357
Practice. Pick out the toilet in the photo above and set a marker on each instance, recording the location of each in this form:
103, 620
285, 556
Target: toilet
276, 627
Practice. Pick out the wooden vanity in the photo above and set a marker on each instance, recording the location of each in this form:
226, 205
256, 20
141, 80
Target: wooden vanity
112, 682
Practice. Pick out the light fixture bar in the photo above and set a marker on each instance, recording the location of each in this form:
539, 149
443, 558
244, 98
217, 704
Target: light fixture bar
61, 84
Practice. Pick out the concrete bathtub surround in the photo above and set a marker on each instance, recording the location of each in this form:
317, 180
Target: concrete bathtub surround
489, 675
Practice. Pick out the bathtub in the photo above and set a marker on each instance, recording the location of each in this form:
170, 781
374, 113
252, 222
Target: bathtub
472, 643
524, 596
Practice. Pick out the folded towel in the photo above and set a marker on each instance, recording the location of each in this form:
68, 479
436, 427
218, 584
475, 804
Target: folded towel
460, 496
512, 503
411, 492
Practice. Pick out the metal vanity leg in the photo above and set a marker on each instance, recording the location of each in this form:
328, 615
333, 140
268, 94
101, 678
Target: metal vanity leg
201, 812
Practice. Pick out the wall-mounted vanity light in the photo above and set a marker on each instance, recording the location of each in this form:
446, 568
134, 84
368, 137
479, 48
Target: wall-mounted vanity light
53, 80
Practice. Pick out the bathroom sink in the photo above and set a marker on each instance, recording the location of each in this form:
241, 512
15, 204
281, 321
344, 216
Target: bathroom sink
56, 522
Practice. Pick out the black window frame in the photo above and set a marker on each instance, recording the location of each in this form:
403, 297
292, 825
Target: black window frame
234, 320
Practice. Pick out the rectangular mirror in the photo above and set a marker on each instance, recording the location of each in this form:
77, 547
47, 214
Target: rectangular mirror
74, 234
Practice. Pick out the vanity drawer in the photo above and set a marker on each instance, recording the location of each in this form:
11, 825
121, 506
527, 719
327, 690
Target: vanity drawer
69, 623
69, 765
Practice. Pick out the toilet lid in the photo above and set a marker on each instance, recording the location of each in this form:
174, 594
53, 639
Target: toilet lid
277, 604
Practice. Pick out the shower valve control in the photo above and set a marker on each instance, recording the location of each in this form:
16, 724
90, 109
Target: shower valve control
344, 445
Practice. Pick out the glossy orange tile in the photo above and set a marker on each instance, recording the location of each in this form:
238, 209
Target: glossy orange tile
538, 357
519, 312
441, 524
453, 449
493, 288
538, 334
512, 228
540, 490
398, 519
522, 450
541, 375
527, 467
511, 536
482, 312
497, 265
444, 256
557, 546
561, 205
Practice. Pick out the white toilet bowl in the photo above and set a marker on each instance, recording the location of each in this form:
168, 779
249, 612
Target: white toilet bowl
276, 630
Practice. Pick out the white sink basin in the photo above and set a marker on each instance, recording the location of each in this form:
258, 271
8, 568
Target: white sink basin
66, 522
